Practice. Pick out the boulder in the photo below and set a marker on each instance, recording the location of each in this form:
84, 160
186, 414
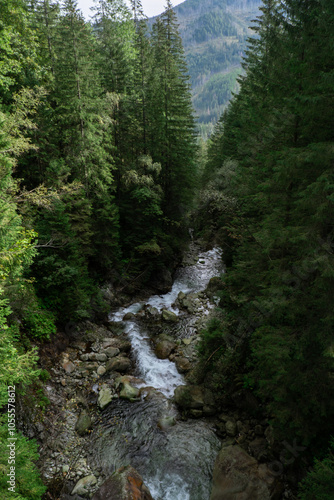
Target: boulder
111, 352
231, 428
183, 365
84, 485
238, 476
129, 316
189, 397
164, 349
125, 484
105, 397
118, 364
166, 422
84, 423
169, 316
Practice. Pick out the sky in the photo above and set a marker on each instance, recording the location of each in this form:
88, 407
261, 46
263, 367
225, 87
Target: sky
151, 7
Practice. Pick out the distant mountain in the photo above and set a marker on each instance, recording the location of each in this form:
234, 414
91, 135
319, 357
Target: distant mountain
214, 34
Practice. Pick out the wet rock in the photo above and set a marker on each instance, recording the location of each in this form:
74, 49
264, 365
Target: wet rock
127, 390
129, 316
231, 428
183, 365
105, 397
84, 423
238, 476
122, 344
119, 364
189, 397
111, 352
166, 422
84, 485
169, 316
152, 312
125, 484
164, 349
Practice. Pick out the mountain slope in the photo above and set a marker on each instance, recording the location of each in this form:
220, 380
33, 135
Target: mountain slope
214, 34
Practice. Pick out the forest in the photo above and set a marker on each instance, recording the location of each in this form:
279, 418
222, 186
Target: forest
101, 176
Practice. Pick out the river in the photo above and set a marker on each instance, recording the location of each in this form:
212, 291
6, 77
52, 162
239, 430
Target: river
175, 462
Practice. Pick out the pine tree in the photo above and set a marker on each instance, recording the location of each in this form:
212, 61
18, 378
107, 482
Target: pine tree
171, 137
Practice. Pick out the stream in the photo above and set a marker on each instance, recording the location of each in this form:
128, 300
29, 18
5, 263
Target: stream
175, 461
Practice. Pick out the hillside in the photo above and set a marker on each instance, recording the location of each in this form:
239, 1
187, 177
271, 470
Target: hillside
214, 36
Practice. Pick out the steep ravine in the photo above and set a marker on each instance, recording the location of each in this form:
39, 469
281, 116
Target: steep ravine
112, 404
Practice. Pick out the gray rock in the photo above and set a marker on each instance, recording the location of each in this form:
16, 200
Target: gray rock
84, 423
183, 365
231, 428
164, 349
169, 316
119, 364
189, 397
129, 316
128, 392
238, 476
101, 371
105, 397
111, 352
84, 485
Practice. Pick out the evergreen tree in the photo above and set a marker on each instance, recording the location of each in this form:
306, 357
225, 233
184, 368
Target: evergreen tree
171, 136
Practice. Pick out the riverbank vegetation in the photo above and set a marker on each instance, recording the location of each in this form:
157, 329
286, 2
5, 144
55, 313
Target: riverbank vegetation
269, 202
97, 166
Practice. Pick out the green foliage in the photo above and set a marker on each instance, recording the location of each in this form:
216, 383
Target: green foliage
319, 483
39, 323
269, 187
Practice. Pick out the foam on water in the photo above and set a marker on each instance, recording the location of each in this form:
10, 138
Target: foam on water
162, 374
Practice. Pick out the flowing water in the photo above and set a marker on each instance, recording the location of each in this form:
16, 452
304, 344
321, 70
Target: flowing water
176, 463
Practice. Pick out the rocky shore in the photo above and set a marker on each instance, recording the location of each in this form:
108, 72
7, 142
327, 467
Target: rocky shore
97, 367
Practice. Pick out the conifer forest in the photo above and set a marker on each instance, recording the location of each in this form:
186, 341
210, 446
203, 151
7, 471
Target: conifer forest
167, 290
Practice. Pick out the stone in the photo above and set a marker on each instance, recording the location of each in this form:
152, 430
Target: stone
84, 357
152, 312
166, 422
238, 476
258, 448
98, 357
181, 296
196, 413
187, 341
84, 423
231, 428
269, 434
189, 397
183, 365
68, 366
258, 430
101, 370
111, 352
105, 397
84, 485
125, 484
164, 349
118, 364
169, 316
129, 316
128, 392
